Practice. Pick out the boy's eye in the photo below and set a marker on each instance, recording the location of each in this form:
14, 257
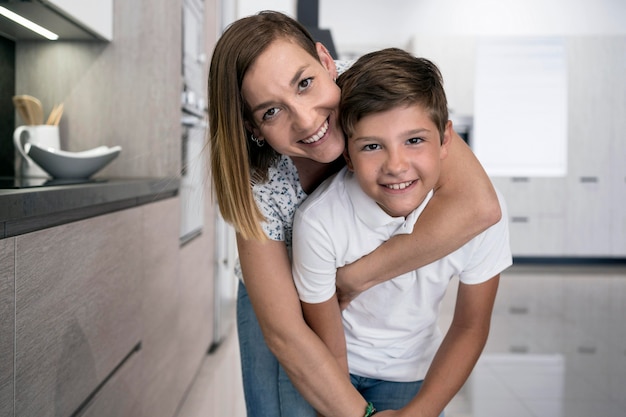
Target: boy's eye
415, 140
270, 113
371, 147
305, 83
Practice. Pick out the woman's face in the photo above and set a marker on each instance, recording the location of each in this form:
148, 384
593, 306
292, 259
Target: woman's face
294, 99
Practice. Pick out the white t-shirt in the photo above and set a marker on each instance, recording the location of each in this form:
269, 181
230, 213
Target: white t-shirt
391, 329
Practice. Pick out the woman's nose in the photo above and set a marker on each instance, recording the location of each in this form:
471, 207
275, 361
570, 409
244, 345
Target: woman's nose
303, 117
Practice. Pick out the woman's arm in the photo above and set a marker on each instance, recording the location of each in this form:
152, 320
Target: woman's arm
310, 365
459, 350
325, 320
464, 205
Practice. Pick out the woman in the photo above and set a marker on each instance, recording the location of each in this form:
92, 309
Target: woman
273, 124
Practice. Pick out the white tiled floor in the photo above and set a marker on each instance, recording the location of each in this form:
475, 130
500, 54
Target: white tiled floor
577, 315
217, 389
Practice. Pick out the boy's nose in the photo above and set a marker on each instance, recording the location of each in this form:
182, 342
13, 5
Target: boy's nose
396, 162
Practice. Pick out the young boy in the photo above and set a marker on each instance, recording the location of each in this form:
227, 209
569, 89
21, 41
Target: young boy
394, 113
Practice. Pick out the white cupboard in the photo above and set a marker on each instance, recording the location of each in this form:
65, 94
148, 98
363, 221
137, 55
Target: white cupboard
94, 15
581, 214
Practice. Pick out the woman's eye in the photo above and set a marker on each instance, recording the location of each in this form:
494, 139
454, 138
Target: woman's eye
270, 113
304, 84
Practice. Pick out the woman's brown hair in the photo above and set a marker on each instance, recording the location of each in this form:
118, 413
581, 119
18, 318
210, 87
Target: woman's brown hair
236, 162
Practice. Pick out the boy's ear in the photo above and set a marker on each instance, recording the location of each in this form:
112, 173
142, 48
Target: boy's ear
447, 138
346, 156
327, 60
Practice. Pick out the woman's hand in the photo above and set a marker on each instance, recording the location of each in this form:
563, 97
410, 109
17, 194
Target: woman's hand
346, 288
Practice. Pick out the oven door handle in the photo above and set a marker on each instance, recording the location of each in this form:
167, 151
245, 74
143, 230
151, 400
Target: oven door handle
193, 121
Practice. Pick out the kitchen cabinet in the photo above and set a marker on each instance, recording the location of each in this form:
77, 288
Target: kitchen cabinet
7, 325
162, 353
122, 394
106, 319
536, 209
591, 133
94, 15
618, 163
581, 214
70, 19
78, 305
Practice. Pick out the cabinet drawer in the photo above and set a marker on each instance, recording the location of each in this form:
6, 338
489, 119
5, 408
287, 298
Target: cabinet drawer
121, 394
537, 235
77, 309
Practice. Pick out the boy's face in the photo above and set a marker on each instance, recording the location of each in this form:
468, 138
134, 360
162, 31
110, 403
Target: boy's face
396, 156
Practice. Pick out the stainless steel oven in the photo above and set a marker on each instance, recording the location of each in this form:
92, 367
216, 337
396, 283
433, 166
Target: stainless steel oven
193, 119
194, 169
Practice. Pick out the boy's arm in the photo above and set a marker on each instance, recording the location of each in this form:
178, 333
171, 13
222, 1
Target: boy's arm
463, 206
325, 320
459, 350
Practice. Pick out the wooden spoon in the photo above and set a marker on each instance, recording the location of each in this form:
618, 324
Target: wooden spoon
29, 108
55, 115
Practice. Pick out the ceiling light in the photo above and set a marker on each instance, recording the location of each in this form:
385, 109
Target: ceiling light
28, 24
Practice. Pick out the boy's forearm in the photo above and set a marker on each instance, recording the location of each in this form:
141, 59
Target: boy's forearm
459, 351
448, 372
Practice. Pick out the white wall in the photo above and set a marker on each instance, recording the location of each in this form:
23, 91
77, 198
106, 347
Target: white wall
371, 24
240, 8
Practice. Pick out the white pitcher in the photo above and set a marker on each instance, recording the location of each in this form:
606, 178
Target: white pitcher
43, 135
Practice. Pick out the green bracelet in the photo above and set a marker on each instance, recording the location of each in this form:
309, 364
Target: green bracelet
369, 410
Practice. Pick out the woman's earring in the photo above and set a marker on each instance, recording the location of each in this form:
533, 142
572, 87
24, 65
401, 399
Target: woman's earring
259, 142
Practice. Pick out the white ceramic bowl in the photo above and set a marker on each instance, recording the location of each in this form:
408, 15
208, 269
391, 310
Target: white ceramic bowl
64, 164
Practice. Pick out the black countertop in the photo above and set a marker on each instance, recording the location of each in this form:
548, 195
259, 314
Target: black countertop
24, 210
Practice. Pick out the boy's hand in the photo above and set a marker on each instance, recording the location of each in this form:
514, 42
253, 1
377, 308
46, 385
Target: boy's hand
388, 413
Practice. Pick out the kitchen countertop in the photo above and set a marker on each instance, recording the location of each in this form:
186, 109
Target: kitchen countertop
24, 210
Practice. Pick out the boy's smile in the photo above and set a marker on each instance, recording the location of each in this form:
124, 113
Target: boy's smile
396, 156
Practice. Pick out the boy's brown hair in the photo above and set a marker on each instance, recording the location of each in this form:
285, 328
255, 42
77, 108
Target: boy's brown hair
385, 79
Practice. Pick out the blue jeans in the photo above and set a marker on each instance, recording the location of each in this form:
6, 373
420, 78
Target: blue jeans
267, 389
386, 395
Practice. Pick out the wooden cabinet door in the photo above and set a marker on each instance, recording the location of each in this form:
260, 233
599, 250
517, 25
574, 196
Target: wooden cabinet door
7, 324
77, 309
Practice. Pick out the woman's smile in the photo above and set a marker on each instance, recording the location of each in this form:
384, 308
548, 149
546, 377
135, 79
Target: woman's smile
317, 136
294, 102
